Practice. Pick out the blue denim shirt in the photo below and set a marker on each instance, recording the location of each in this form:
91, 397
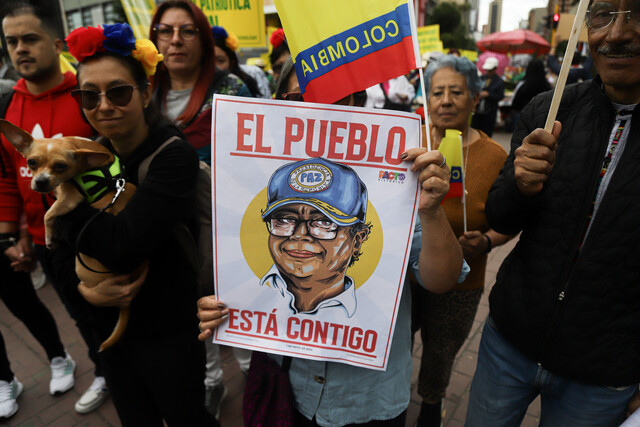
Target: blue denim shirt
338, 394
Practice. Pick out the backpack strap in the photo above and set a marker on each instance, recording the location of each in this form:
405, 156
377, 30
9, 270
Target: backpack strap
4, 103
143, 169
181, 231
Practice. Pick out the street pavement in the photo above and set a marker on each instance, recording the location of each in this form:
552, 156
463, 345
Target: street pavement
39, 408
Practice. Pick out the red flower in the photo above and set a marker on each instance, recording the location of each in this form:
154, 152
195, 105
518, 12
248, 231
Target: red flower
85, 42
277, 37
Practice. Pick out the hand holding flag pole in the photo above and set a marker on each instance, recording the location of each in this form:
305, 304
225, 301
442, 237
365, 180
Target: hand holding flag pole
566, 64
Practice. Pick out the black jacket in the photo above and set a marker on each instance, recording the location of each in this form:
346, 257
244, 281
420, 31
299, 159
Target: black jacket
144, 230
579, 318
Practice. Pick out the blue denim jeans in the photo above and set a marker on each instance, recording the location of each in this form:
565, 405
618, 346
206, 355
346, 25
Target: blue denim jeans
506, 382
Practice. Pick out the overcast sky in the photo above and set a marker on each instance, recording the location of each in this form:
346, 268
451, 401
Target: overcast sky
513, 11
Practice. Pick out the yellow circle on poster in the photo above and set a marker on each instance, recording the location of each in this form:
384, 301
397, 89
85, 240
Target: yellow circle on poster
254, 238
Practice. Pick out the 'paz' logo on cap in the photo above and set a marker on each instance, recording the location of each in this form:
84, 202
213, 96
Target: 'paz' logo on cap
310, 178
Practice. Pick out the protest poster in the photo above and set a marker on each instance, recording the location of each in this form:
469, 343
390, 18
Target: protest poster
139, 14
313, 215
429, 38
565, 24
244, 18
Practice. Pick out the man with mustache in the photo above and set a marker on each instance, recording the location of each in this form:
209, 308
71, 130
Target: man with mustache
316, 217
41, 104
565, 310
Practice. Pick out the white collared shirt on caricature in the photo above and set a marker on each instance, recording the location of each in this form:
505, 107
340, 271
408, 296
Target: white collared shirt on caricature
346, 300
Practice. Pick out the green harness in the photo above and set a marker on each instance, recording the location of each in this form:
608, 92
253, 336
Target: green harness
95, 183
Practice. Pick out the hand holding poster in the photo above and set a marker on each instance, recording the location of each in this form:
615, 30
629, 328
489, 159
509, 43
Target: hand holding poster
309, 201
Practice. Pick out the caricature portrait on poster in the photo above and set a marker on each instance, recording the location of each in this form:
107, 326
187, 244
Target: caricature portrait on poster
313, 215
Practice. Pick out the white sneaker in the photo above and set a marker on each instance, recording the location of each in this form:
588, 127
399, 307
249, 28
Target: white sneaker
38, 278
9, 393
62, 379
95, 395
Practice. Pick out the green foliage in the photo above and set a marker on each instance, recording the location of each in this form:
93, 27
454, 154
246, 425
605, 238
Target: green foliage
453, 32
447, 16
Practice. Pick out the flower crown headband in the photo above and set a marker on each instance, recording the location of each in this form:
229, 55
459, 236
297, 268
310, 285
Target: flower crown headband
115, 38
277, 38
230, 39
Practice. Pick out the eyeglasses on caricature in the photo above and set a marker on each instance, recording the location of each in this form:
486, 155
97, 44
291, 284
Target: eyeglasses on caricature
317, 228
165, 32
118, 96
601, 14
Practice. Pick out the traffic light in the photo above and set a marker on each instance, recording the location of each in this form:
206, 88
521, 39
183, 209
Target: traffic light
556, 19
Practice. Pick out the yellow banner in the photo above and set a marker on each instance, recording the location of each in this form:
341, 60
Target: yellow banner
244, 18
429, 38
139, 14
471, 55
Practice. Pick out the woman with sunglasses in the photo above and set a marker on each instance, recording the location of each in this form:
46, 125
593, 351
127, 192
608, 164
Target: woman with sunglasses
187, 78
155, 371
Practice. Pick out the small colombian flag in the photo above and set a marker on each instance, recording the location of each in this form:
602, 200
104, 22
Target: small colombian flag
343, 46
451, 149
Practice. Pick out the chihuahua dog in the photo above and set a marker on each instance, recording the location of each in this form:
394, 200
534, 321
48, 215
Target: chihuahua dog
54, 163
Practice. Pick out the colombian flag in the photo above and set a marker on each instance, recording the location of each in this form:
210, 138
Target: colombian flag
451, 149
344, 46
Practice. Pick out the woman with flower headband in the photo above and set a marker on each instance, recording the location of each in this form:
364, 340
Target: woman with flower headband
279, 54
155, 371
187, 78
227, 60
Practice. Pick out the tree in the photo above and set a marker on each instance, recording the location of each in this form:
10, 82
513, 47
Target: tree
453, 32
447, 16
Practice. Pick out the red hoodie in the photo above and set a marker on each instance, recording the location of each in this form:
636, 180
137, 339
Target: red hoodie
51, 114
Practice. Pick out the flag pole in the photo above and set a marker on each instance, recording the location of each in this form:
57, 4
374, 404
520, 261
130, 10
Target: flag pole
424, 106
414, 32
566, 64
464, 178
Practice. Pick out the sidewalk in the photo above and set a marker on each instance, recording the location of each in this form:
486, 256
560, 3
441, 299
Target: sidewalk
38, 408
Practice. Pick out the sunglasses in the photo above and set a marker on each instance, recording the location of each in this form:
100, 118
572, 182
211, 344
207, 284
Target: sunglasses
119, 96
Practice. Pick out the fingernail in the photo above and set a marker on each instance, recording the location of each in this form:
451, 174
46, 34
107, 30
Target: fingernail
404, 155
220, 305
225, 316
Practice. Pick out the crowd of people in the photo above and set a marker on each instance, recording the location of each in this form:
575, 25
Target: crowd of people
564, 320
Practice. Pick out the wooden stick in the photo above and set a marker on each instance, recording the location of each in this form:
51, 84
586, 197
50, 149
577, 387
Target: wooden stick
424, 105
566, 64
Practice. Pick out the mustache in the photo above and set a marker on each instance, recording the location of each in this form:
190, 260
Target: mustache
625, 49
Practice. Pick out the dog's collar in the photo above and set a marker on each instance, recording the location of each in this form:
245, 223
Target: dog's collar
95, 183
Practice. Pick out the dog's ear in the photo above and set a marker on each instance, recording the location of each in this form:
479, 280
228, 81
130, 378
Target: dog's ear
20, 139
89, 159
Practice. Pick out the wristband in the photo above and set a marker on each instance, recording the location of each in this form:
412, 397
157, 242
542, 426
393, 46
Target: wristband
7, 240
489, 244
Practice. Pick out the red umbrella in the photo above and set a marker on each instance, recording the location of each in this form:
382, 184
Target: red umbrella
517, 41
